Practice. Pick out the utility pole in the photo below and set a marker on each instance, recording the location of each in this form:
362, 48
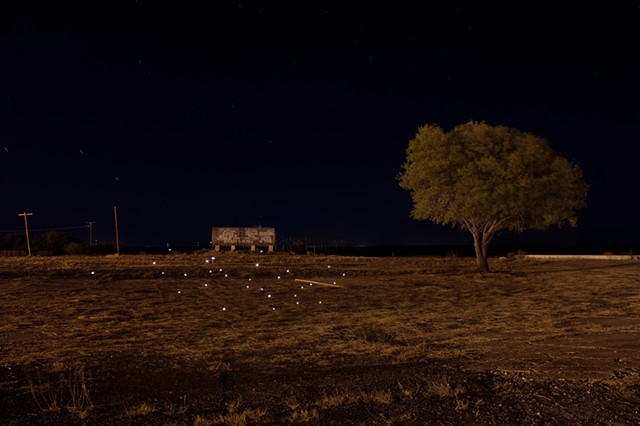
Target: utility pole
90, 225
26, 229
115, 216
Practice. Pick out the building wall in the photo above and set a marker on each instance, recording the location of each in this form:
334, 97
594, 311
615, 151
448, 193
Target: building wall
243, 236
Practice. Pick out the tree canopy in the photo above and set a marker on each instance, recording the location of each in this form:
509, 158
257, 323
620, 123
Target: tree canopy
486, 178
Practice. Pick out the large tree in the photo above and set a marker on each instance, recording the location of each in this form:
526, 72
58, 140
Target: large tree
486, 178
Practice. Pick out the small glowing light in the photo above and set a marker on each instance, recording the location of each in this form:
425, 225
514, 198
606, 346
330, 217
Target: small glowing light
257, 264
297, 303
288, 271
249, 279
213, 258
261, 251
226, 275
344, 275
320, 302
210, 271
185, 274
220, 269
206, 261
278, 276
224, 309
301, 286
328, 266
162, 272
310, 284
295, 295
93, 273
179, 292
334, 282
261, 288
154, 263
269, 296
247, 286
273, 309
169, 249
206, 285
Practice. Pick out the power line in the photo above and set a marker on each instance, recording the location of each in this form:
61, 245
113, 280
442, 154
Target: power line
69, 228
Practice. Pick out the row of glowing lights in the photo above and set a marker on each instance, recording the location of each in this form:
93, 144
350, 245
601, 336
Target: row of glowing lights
269, 296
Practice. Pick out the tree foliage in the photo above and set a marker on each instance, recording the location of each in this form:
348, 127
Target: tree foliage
487, 178
13, 242
52, 243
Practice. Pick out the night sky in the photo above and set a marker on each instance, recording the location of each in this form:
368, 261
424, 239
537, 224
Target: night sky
298, 115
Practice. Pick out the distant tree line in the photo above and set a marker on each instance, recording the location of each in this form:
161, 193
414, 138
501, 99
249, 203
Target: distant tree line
51, 243
318, 245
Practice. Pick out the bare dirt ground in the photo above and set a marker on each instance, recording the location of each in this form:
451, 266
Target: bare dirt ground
248, 339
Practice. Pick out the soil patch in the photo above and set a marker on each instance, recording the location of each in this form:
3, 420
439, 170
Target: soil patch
249, 339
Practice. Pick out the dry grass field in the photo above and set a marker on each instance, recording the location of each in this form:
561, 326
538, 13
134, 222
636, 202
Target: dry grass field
285, 339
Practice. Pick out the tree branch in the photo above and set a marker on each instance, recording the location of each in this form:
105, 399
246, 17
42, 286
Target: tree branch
497, 225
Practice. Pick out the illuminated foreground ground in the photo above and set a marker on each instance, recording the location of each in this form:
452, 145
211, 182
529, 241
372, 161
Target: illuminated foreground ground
246, 339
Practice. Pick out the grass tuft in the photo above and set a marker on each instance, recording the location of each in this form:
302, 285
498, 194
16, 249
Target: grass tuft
233, 416
304, 416
140, 410
374, 333
440, 388
68, 390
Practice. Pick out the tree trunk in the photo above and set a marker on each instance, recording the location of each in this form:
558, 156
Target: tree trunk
481, 242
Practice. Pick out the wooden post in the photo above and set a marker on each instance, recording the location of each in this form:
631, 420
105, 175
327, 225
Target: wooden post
26, 229
90, 225
115, 216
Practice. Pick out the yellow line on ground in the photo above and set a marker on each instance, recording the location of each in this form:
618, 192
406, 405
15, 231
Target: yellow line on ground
319, 283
